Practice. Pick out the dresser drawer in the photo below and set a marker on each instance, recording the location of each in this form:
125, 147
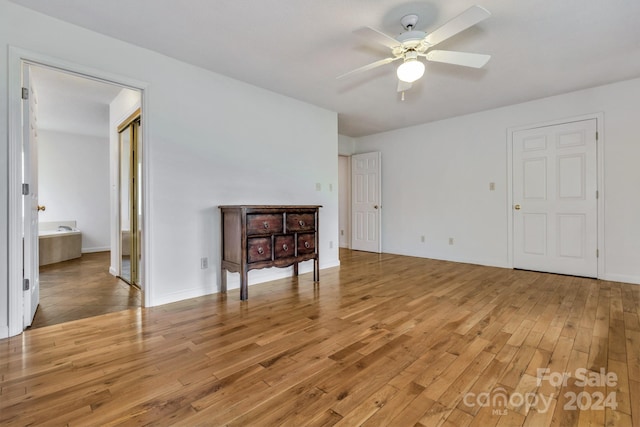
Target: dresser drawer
264, 223
301, 222
284, 247
258, 249
306, 243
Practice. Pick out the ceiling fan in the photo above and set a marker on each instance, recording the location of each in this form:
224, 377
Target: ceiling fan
413, 44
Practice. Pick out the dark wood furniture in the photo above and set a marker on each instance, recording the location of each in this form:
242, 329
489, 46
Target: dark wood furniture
260, 236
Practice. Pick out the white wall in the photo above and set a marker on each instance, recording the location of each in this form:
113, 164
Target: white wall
210, 140
436, 180
73, 184
346, 145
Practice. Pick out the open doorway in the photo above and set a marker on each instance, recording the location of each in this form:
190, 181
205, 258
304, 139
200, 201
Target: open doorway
75, 152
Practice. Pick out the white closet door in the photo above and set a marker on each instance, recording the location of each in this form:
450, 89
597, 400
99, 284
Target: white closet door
554, 195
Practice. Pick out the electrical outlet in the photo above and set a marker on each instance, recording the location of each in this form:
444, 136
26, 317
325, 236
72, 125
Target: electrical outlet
204, 263
422, 239
330, 187
451, 240
331, 244
318, 186
342, 232
492, 186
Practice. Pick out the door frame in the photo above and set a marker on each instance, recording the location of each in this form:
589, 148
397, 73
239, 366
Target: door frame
599, 117
133, 196
16, 58
346, 188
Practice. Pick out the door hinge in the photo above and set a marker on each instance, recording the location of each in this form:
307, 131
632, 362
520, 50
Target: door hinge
25, 284
597, 194
597, 253
25, 93
25, 189
596, 135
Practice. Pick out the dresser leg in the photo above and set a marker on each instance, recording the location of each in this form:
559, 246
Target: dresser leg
244, 286
295, 269
316, 270
223, 280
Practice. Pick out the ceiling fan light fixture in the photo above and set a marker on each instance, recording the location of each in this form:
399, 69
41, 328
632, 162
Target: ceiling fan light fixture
410, 70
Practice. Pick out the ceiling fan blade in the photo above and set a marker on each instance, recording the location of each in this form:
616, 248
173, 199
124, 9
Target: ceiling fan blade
368, 67
466, 19
378, 37
474, 60
402, 86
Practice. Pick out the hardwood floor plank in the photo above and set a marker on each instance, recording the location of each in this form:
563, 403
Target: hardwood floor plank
634, 399
621, 389
518, 366
633, 355
565, 414
373, 405
542, 415
394, 406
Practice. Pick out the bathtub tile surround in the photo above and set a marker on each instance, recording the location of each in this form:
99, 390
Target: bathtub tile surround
59, 241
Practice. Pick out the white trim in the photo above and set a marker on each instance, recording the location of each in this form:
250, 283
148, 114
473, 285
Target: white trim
600, 185
145, 214
599, 117
621, 278
14, 235
96, 249
16, 58
349, 201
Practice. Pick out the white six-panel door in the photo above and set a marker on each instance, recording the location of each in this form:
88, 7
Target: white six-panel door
365, 202
555, 223
30, 207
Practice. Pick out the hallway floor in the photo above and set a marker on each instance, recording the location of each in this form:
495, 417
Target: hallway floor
81, 288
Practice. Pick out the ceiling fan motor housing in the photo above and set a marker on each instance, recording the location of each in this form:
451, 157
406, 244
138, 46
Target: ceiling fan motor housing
412, 39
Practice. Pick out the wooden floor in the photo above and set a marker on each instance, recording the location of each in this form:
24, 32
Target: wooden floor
81, 288
384, 340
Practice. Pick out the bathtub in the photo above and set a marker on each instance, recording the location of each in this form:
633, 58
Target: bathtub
59, 241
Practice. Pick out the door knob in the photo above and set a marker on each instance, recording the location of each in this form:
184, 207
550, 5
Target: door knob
516, 207
42, 208
375, 206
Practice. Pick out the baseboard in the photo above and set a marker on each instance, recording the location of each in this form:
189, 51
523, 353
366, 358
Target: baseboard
623, 278
113, 271
233, 281
179, 296
98, 249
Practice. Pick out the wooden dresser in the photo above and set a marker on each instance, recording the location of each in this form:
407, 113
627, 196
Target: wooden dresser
260, 236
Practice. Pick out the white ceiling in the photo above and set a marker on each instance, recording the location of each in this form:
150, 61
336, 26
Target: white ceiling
539, 48
72, 104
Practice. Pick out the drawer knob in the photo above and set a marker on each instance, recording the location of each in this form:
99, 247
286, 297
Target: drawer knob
266, 224
260, 250
285, 247
307, 245
301, 222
